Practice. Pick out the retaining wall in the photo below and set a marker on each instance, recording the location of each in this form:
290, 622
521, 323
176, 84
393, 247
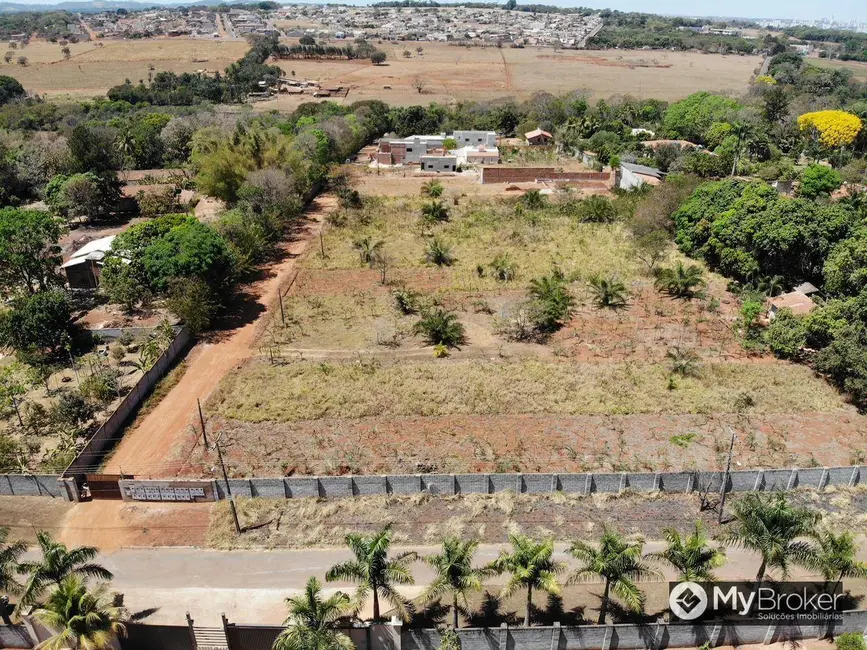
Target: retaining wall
93, 453
501, 174
451, 484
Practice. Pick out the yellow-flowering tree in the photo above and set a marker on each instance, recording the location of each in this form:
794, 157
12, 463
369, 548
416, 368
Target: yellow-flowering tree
765, 79
832, 129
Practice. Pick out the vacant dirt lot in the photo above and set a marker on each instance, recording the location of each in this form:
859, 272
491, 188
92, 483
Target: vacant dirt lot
94, 68
452, 73
347, 386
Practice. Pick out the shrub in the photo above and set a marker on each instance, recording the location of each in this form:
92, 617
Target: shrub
369, 250
680, 281
434, 212
609, 292
440, 327
40, 321
554, 304
597, 209
533, 199
851, 641
504, 269
819, 180
683, 361
432, 189
193, 301
162, 200
786, 334
439, 253
102, 386
406, 300
71, 410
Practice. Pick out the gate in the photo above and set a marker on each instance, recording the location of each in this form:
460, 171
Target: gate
105, 486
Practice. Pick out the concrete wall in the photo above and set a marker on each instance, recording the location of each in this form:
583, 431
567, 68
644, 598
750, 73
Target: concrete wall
94, 451
32, 485
451, 484
502, 174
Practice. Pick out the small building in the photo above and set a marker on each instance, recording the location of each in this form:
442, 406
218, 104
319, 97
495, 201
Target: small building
447, 163
807, 288
632, 175
475, 138
538, 137
85, 266
798, 302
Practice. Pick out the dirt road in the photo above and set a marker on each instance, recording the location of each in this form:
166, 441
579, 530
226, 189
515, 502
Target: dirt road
158, 444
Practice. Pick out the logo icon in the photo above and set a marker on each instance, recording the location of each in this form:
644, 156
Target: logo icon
687, 601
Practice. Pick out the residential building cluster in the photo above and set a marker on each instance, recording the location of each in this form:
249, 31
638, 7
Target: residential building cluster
431, 154
460, 24
168, 22
824, 23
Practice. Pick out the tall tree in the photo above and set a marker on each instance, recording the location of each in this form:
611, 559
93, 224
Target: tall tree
10, 554
312, 621
835, 557
455, 574
375, 572
83, 619
620, 563
773, 528
57, 563
29, 254
531, 566
692, 556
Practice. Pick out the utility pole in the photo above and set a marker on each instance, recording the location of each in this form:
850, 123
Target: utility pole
202, 423
725, 481
228, 488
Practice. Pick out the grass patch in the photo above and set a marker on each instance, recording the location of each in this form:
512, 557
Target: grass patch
162, 388
683, 440
477, 232
307, 391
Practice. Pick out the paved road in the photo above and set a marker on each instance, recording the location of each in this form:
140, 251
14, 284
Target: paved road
250, 586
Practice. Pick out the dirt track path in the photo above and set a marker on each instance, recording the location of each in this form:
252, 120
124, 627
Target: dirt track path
159, 444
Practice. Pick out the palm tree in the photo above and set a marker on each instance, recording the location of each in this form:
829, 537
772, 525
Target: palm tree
609, 292
9, 556
555, 303
691, 556
743, 132
620, 563
770, 526
434, 211
835, 557
311, 621
683, 361
531, 566
432, 189
680, 281
85, 620
439, 253
597, 209
58, 563
455, 573
375, 573
369, 250
441, 327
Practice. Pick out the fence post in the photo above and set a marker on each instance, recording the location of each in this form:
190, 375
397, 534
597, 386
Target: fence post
226, 629
769, 634
191, 631
823, 480
504, 636
588, 484
555, 635
853, 480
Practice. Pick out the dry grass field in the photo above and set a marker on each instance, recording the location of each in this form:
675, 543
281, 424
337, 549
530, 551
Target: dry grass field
859, 70
348, 386
93, 69
452, 73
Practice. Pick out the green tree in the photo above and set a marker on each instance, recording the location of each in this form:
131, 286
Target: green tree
434, 212
193, 301
378, 57
375, 573
455, 575
10, 89
530, 566
432, 189
772, 527
819, 180
441, 327
29, 253
10, 556
692, 556
786, 334
743, 132
369, 250
690, 118
41, 321
533, 199
83, 619
597, 209
620, 563
57, 563
312, 621
439, 253
189, 250
680, 281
